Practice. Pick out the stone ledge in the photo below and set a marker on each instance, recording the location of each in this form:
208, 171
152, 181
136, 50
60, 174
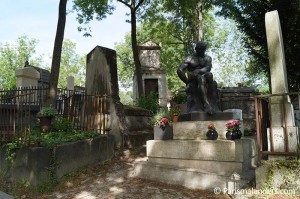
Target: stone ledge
202, 116
218, 167
189, 178
210, 150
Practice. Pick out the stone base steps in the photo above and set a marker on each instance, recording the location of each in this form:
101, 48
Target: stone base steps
187, 177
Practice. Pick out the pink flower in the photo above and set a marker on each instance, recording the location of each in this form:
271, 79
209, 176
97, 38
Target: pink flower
164, 120
233, 125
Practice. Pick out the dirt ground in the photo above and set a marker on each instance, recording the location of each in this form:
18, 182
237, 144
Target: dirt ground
112, 180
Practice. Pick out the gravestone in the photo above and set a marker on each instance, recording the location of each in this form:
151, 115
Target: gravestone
102, 79
281, 109
153, 77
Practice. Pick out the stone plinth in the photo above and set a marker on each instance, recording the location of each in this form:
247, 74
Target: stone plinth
27, 77
196, 130
199, 164
202, 116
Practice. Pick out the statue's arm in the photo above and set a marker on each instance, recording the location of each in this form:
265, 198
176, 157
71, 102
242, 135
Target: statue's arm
181, 72
206, 68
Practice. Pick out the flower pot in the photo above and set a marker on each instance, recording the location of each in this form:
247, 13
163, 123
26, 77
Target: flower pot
175, 118
45, 123
230, 135
238, 134
165, 133
212, 134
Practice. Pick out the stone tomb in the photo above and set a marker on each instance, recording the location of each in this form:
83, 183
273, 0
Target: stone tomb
194, 162
153, 76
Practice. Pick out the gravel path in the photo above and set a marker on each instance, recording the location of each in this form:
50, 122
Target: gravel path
113, 180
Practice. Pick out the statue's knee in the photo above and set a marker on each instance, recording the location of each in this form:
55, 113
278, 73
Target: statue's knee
209, 77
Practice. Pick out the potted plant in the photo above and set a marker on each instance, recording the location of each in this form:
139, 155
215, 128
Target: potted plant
164, 131
45, 116
233, 130
211, 134
174, 113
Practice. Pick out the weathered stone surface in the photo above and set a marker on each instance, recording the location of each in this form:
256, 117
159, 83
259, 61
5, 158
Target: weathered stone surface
32, 164
196, 130
276, 53
211, 150
282, 178
191, 178
202, 116
102, 79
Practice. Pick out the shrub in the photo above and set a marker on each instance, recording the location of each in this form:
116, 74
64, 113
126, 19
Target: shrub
149, 102
61, 124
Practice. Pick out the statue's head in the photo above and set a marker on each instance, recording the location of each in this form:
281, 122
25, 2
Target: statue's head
200, 47
201, 44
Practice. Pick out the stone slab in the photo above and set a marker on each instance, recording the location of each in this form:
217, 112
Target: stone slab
210, 150
190, 178
5, 196
196, 130
218, 167
202, 116
279, 140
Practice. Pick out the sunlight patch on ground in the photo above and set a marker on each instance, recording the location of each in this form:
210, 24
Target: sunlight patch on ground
85, 195
116, 190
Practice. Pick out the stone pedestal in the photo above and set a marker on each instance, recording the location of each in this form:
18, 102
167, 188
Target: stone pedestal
27, 77
199, 164
193, 161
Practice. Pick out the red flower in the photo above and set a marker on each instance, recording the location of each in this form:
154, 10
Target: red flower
211, 126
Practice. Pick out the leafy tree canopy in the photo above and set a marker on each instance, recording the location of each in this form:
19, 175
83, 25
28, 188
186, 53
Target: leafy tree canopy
250, 15
71, 65
13, 56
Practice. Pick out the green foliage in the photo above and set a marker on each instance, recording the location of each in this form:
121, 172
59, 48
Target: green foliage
48, 111
174, 111
53, 139
149, 102
11, 151
249, 16
13, 56
160, 114
179, 97
126, 97
71, 64
289, 170
61, 124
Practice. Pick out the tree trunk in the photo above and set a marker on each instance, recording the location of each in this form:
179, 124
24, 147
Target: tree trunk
56, 57
200, 18
137, 63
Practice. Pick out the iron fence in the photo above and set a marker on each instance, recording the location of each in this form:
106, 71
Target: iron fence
18, 109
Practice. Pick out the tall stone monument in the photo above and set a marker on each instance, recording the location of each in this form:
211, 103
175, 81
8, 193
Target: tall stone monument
153, 77
102, 79
281, 109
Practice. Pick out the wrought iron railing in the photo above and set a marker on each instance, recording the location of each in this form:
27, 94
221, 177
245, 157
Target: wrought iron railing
18, 109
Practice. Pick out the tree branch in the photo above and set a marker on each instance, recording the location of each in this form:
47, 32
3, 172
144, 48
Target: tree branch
139, 4
126, 4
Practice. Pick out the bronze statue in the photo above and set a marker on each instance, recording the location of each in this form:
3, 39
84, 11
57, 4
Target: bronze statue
201, 89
